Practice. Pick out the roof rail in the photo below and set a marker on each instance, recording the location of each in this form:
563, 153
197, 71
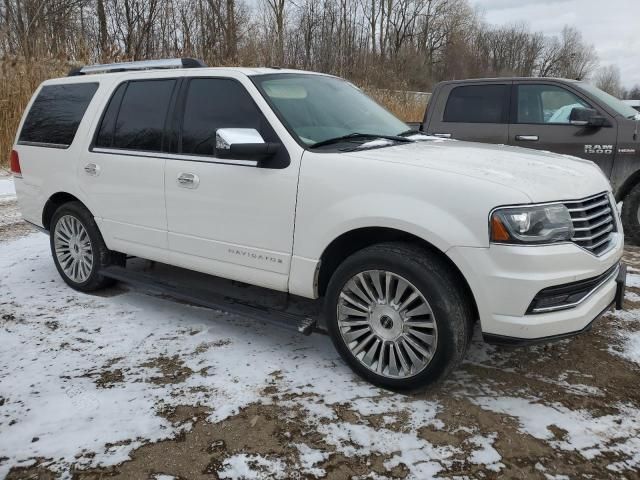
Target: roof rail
139, 65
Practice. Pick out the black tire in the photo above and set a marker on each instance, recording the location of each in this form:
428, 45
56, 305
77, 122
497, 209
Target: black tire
630, 221
101, 255
438, 284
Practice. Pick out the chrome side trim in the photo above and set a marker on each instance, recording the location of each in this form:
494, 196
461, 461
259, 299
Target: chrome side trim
175, 156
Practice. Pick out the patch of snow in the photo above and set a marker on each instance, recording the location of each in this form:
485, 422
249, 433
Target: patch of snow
7, 188
252, 467
631, 296
162, 476
486, 455
379, 142
309, 457
582, 432
629, 347
419, 137
633, 280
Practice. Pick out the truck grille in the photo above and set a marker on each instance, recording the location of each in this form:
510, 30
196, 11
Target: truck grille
593, 222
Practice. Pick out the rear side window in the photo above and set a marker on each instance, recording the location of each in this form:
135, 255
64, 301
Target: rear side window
478, 104
213, 103
56, 114
135, 117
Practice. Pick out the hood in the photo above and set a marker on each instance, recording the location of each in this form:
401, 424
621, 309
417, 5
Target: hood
540, 175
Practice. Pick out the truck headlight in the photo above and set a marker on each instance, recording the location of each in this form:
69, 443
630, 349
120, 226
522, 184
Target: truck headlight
531, 225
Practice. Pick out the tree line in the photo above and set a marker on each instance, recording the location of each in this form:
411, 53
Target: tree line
396, 44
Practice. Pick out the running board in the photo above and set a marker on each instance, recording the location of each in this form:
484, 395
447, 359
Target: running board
290, 321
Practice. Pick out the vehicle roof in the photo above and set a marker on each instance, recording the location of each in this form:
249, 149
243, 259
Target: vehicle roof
512, 79
167, 72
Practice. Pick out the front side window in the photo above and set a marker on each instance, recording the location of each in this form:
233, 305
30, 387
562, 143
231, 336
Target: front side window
316, 108
213, 103
56, 113
140, 119
546, 104
477, 104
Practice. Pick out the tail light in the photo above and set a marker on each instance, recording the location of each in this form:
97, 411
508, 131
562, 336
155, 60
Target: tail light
15, 164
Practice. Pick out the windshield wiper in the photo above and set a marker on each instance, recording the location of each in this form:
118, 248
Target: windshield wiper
354, 135
411, 131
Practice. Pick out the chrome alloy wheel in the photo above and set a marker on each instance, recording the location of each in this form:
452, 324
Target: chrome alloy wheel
387, 324
73, 248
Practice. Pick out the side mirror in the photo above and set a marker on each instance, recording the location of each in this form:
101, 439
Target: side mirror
586, 117
243, 144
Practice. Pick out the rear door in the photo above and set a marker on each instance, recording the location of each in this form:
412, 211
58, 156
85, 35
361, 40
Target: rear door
473, 112
123, 173
540, 119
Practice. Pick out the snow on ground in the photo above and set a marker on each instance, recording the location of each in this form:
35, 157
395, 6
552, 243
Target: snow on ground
56, 341
6, 187
85, 377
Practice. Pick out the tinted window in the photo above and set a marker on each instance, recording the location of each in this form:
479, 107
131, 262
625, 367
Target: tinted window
56, 113
141, 118
477, 104
108, 124
546, 104
214, 103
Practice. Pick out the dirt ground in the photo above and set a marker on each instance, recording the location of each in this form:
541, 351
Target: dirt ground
127, 385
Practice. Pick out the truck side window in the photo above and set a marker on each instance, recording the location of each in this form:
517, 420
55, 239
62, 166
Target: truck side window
213, 103
56, 114
140, 121
477, 104
546, 104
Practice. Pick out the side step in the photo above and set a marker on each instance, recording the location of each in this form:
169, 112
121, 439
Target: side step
290, 321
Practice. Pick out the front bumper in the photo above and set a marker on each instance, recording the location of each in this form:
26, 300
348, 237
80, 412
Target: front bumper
505, 279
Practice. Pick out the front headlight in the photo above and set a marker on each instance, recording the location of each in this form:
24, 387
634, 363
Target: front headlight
531, 225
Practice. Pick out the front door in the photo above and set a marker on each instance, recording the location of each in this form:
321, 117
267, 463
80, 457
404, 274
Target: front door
123, 173
229, 218
540, 120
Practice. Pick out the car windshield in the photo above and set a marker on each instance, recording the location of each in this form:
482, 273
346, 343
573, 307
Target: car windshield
317, 108
612, 102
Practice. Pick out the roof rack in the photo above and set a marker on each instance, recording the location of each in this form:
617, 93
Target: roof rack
139, 65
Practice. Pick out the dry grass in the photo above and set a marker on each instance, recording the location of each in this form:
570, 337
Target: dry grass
19, 79
408, 106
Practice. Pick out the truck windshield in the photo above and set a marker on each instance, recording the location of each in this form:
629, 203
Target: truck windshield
612, 102
317, 108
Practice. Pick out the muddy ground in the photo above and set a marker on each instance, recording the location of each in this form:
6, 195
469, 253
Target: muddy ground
127, 385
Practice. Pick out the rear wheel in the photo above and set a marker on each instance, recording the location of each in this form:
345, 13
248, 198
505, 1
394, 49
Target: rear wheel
78, 250
398, 316
631, 215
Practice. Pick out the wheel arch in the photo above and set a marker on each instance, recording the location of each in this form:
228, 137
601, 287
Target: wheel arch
54, 202
357, 239
627, 186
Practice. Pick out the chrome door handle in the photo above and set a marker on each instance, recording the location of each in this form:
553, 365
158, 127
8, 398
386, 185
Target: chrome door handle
92, 169
188, 180
442, 135
527, 138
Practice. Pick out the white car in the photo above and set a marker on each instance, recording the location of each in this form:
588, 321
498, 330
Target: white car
299, 182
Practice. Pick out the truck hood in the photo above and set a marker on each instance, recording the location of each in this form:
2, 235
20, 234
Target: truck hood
540, 175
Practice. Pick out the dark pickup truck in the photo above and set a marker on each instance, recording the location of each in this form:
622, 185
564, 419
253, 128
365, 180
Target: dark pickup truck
559, 115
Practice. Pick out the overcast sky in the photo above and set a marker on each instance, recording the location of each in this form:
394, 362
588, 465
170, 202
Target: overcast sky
612, 26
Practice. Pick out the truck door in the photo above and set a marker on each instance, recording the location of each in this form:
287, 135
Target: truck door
477, 113
540, 119
228, 218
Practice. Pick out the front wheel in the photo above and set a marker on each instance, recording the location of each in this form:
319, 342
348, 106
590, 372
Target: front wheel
398, 316
78, 250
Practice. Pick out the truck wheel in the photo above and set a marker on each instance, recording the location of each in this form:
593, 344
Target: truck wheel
78, 249
631, 215
398, 316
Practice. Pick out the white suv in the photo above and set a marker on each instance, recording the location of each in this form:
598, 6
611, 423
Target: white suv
299, 182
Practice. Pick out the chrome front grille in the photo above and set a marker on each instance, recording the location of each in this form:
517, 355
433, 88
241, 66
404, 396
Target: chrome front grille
593, 222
